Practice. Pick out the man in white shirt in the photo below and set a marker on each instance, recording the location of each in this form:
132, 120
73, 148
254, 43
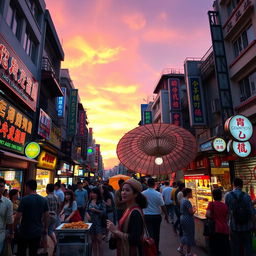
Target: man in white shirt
167, 192
153, 211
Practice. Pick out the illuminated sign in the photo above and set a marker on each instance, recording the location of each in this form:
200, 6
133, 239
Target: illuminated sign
174, 93
15, 127
65, 170
44, 125
72, 120
241, 149
60, 104
196, 107
55, 136
47, 161
219, 144
15, 75
82, 123
90, 150
32, 150
197, 177
147, 117
176, 118
239, 128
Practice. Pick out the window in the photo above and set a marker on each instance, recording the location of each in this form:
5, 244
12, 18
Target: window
30, 46
248, 87
243, 40
231, 6
13, 19
34, 10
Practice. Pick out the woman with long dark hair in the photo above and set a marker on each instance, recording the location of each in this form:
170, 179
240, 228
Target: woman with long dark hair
70, 206
109, 202
96, 213
131, 226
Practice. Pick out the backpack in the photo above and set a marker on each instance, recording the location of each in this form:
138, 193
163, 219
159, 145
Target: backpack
241, 210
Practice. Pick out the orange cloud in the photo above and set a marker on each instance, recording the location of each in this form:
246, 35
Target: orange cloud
135, 21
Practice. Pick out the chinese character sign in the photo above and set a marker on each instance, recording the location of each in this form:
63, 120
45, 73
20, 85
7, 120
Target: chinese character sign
241, 149
72, 120
44, 125
176, 118
196, 107
60, 105
219, 144
147, 117
174, 94
239, 127
15, 127
82, 123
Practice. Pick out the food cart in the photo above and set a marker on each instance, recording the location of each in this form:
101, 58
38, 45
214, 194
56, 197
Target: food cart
72, 238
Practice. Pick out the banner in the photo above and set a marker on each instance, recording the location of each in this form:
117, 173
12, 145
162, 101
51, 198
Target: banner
44, 125
61, 102
15, 127
72, 120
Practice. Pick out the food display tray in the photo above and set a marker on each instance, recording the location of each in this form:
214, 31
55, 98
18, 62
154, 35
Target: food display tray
71, 230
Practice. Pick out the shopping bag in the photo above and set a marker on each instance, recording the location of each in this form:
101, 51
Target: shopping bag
149, 246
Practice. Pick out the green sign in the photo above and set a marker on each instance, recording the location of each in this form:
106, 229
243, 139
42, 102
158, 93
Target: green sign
32, 150
90, 150
148, 117
72, 118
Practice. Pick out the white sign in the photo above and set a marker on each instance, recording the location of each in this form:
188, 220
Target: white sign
240, 128
242, 149
219, 144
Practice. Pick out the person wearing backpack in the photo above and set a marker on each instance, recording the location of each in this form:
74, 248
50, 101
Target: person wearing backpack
241, 214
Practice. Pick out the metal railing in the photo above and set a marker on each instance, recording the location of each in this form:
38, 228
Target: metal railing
47, 65
207, 54
176, 71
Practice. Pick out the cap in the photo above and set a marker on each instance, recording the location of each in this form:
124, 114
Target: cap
136, 185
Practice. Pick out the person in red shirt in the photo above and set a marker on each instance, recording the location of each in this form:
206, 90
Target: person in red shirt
218, 211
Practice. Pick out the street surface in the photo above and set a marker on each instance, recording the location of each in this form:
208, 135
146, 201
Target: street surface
169, 242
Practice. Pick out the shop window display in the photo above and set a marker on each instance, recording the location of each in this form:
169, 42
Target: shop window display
42, 178
14, 178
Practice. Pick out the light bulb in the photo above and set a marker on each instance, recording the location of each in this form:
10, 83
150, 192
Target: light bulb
159, 160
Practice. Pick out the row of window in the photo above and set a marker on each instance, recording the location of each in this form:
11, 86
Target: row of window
15, 20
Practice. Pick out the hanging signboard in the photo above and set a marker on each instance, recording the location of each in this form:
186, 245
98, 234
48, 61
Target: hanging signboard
82, 123
174, 94
196, 102
32, 150
241, 149
15, 127
61, 102
44, 125
72, 120
143, 108
219, 144
147, 117
176, 118
16, 77
239, 128
47, 161
55, 136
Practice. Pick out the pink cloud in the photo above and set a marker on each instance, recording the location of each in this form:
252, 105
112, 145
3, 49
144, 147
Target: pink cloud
135, 21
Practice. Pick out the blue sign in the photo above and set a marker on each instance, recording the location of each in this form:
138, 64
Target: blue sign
206, 146
143, 108
61, 103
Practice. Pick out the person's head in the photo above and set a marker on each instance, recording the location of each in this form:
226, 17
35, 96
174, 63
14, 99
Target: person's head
14, 195
79, 185
31, 186
86, 183
187, 192
131, 193
142, 180
49, 188
57, 186
151, 183
181, 186
120, 183
238, 183
70, 187
174, 184
104, 191
6, 194
167, 183
217, 194
69, 197
63, 187
2, 185
96, 194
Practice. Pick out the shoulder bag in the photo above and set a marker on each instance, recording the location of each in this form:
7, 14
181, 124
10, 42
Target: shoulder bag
209, 225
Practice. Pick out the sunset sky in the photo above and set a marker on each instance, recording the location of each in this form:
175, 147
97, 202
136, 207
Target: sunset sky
116, 49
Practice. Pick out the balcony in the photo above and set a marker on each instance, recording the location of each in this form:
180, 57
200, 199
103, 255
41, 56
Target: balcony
238, 18
207, 66
49, 77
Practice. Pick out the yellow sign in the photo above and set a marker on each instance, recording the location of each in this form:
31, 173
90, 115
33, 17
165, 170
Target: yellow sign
32, 150
218, 171
47, 161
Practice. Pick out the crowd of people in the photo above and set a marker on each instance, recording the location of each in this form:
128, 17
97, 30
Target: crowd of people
122, 217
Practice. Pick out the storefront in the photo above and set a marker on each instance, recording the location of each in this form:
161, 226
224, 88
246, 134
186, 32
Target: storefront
45, 171
65, 173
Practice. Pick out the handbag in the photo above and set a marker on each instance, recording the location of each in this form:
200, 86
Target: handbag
209, 225
76, 217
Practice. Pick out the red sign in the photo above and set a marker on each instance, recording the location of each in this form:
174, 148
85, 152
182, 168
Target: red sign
44, 126
174, 85
82, 123
16, 77
176, 118
197, 177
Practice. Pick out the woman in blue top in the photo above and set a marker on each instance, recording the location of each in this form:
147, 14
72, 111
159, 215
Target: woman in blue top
187, 222
70, 206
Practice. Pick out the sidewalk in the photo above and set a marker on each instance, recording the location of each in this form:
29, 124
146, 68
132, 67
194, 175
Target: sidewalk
169, 242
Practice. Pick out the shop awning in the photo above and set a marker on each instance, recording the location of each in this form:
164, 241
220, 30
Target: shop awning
12, 155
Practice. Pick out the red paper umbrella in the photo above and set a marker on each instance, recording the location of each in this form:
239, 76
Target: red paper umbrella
156, 149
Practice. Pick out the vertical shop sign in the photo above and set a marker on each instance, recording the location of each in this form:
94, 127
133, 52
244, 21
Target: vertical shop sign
176, 118
196, 106
61, 103
143, 108
15, 127
82, 124
72, 112
44, 125
97, 154
147, 117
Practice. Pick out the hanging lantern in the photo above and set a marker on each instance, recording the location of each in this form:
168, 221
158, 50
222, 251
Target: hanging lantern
217, 161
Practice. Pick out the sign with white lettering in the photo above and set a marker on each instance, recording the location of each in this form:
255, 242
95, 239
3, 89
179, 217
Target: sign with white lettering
219, 144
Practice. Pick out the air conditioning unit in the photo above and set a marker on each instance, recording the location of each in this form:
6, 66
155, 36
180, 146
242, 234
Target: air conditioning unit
215, 105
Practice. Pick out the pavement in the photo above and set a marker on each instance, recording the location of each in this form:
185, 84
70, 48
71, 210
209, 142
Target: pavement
169, 242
